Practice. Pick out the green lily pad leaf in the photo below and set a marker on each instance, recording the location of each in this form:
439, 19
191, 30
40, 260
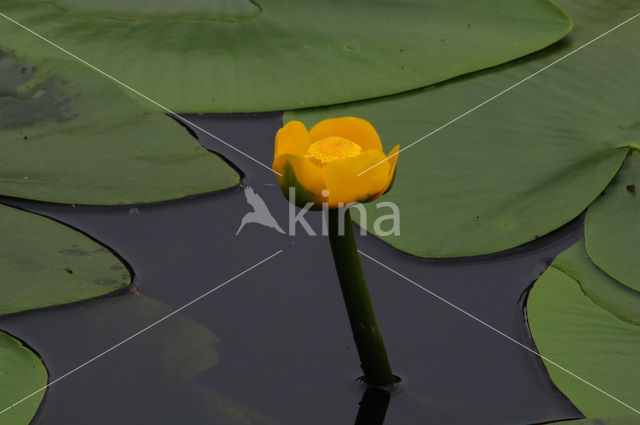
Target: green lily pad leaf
69, 136
181, 349
223, 10
44, 264
612, 225
291, 54
618, 299
629, 420
22, 372
525, 163
573, 331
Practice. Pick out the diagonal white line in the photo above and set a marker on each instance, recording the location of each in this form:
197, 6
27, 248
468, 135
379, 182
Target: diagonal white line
93, 359
136, 92
482, 322
501, 93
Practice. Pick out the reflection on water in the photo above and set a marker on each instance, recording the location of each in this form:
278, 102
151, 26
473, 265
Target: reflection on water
274, 346
373, 407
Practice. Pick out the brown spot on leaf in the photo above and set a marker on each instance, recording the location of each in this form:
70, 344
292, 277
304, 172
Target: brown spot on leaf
74, 250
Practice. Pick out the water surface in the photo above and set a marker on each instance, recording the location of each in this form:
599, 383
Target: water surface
273, 346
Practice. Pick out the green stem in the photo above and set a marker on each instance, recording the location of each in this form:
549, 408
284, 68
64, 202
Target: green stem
373, 356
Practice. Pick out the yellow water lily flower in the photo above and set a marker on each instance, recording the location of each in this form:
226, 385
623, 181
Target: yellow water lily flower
323, 164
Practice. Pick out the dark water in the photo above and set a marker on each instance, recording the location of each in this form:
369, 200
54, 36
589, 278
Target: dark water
273, 346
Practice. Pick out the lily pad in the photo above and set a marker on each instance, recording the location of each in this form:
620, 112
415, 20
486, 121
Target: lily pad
182, 347
69, 136
292, 54
22, 372
44, 264
223, 10
629, 420
523, 164
612, 224
618, 299
573, 331
175, 352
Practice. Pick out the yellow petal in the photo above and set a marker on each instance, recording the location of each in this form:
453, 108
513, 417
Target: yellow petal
355, 129
303, 175
293, 139
392, 159
344, 184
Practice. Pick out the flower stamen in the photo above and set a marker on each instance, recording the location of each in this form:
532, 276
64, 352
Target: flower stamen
331, 148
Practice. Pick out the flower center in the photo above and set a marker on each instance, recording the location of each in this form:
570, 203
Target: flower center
331, 148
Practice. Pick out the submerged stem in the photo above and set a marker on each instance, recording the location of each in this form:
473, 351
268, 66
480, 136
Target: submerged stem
373, 356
